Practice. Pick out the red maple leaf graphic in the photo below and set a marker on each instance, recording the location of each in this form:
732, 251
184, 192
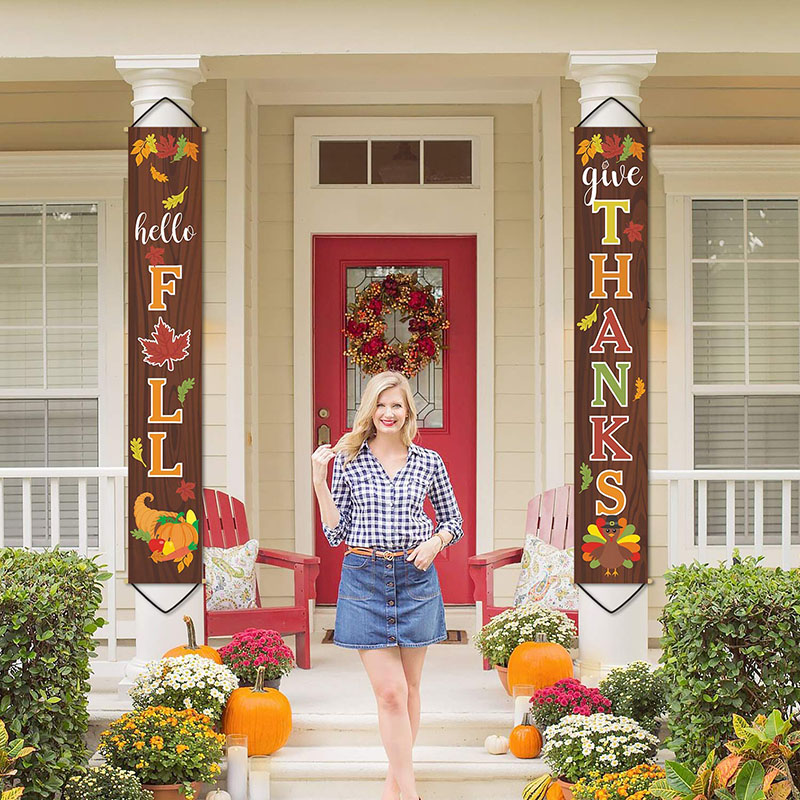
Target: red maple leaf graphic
167, 146
155, 255
612, 146
634, 232
165, 347
186, 491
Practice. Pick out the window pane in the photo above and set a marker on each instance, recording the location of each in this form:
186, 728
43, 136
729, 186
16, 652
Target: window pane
342, 162
71, 295
71, 234
718, 228
773, 432
21, 361
448, 161
719, 439
773, 294
21, 296
718, 291
772, 228
719, 355
395, 162
20, 234
71, 358
774, 355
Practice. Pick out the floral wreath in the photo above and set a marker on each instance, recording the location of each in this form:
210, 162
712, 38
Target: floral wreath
365, 327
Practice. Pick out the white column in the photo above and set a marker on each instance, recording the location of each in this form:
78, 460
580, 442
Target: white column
154, 77
609, 640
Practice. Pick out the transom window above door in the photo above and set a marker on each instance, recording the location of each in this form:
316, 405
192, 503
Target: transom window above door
406, 161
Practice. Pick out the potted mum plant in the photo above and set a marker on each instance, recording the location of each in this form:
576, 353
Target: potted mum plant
185, 682
499, 637
632, 784
602, 743
567, 696
637, 691
253, 648
104, 782
171, 751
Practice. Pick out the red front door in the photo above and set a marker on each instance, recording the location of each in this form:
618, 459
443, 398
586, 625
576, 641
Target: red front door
444, 393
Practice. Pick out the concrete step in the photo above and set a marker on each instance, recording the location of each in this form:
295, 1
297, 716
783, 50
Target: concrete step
358, 773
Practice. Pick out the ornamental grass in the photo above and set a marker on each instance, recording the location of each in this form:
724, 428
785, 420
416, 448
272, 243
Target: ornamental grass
163, 745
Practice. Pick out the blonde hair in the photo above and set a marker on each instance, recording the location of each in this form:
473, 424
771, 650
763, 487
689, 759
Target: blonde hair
363, 426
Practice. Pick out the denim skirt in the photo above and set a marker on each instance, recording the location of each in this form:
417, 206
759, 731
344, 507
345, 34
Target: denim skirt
388, 602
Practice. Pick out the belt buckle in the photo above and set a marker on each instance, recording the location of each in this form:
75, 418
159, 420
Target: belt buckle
388, 555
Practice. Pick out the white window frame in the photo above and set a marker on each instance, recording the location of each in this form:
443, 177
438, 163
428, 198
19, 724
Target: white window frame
86, 177
707, 172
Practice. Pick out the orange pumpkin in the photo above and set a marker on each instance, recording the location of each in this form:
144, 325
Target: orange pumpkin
538, 664
554, 791
525, 741
263, 715
192, 648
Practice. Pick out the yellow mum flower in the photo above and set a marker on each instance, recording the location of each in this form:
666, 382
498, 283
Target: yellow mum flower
179, 748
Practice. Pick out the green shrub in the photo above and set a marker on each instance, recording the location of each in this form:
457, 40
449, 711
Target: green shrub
731, 645
48, 607
636, 691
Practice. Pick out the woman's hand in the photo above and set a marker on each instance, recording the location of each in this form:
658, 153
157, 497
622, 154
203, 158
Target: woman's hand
319, 464
423, 554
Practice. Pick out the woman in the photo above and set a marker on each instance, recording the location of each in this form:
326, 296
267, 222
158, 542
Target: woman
390, 603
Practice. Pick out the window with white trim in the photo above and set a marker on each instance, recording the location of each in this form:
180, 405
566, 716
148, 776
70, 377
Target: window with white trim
746, 352
49, 395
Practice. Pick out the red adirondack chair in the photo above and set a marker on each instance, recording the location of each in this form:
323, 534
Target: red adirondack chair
550, 517
225, 525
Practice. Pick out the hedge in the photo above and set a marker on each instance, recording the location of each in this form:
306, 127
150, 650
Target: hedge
731, 645
48, 615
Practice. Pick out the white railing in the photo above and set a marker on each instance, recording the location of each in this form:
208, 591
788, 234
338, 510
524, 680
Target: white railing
109, 543
689, 487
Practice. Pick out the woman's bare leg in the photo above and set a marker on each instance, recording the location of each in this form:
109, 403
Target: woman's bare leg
384, 667
413, 658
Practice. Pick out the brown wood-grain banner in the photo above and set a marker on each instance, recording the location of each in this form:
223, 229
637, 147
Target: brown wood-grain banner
611, 228
164, 355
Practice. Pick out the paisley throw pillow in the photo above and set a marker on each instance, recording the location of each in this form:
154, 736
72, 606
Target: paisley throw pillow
231, 576
546, 576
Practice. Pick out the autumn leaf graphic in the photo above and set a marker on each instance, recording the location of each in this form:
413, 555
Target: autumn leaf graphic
164, 349
626, 147
184, 389
589, 320
597, 143
186, 491
142, 149
637, 150
191, 149
155, 255
612, 146
640, 390
167, 146
158, 176
136, 451
174, 199
586, 476
634, 232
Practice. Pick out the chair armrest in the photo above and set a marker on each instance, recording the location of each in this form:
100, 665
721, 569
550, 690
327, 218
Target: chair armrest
497, 558
285, 558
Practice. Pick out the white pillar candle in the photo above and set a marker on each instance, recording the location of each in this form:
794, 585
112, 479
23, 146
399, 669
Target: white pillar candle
522, 704
259, 778
237, 772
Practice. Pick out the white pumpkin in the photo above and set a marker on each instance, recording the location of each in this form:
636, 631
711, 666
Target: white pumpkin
218, 794
496, 745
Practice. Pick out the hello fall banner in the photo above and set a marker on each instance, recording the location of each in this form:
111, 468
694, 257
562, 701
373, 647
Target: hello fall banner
610, 168
164, 355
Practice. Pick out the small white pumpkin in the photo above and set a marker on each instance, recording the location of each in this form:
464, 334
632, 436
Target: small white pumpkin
496, 745
218, 794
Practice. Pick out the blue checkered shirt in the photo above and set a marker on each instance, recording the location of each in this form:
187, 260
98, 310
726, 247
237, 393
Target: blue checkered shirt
375, 511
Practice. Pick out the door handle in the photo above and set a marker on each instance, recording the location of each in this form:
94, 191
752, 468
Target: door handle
323, 435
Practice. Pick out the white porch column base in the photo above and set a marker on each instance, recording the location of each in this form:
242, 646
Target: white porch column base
154, 77
607, 640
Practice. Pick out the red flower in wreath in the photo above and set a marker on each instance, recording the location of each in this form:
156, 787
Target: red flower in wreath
417, 325
417, 300
396, 363
375, 305
427, 346
356, 329
390, 286
373, 346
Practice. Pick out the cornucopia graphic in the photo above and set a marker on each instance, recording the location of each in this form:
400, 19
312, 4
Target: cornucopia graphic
170, 535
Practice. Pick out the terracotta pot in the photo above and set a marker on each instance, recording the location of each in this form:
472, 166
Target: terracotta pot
502, 673
566, 788
170, 791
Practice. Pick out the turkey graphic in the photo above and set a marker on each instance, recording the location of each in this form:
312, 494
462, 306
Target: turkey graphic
611, 543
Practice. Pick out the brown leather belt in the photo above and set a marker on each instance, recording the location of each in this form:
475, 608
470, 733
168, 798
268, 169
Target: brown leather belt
371, 551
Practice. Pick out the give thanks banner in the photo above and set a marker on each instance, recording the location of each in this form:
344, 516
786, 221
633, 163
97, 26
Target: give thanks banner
164, 355
610, 169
